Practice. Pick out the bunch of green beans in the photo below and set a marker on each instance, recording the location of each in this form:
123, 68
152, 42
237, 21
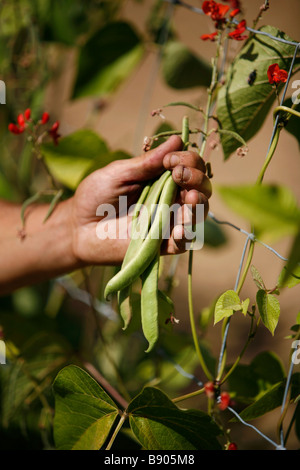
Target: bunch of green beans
143, 254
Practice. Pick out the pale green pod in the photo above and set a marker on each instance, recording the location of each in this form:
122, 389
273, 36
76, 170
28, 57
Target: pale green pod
149, 303
138, 263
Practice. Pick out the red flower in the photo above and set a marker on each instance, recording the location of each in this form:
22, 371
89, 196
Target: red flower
215, 10
54, 132
14, 129
234, 12
239, 30
209, 389
27, 114
210, 37
276, 75
232, 446
224, 401
45, 118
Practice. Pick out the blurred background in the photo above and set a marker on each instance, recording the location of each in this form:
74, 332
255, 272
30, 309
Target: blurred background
41, 64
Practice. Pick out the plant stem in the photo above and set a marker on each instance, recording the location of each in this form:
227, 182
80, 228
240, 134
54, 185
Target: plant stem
192, 318
116, 431
214, 81
269, 156
188, 395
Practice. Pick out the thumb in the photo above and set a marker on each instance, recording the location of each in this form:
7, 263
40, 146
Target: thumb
150, 164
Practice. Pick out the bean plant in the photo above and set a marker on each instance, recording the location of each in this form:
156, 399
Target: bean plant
97, 359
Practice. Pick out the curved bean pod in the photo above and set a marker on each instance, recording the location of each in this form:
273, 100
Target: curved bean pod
148, 198
137, 264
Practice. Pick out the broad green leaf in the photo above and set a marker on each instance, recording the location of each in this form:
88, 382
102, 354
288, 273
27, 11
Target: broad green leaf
226, 305
181, 68
214, 235
269, 309
243, 108
271, 209
250, 381
293, 260
271, 399
290, 280
84, 413
159, 424
268, 367
76, 156
107, 59
44, 354
64, 20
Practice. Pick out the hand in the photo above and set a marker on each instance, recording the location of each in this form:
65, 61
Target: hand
126, 178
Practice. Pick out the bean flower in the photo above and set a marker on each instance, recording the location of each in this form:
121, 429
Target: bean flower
24, 119
217, 12
237, 33
276, 75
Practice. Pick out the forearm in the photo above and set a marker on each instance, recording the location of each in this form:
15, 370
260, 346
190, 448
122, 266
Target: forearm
41, 252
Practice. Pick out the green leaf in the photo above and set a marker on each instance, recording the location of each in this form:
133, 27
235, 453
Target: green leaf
64, 20
289, 279
84, 413
107, 59
257, 278
243, 108
76, 156
271, 209
44, 354
269, 309
271, 399
226, 305
159, 424
293, 260
181, 68
214, 235
250, 381
268, 368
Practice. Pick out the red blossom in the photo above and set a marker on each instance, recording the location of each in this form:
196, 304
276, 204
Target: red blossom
27, 114
276, 75
53, 132
232, 446
210, 37
209, 389
239, 30
234, 12
215, 10
45, 118
14, 129
224, 401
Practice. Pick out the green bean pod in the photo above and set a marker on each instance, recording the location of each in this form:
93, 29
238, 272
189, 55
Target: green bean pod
148, 198
149, 303
149, 248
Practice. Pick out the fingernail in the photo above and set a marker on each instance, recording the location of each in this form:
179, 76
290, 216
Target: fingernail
186, 175
174, 160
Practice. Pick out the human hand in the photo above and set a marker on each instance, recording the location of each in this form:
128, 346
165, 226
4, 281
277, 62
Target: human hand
126, 178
